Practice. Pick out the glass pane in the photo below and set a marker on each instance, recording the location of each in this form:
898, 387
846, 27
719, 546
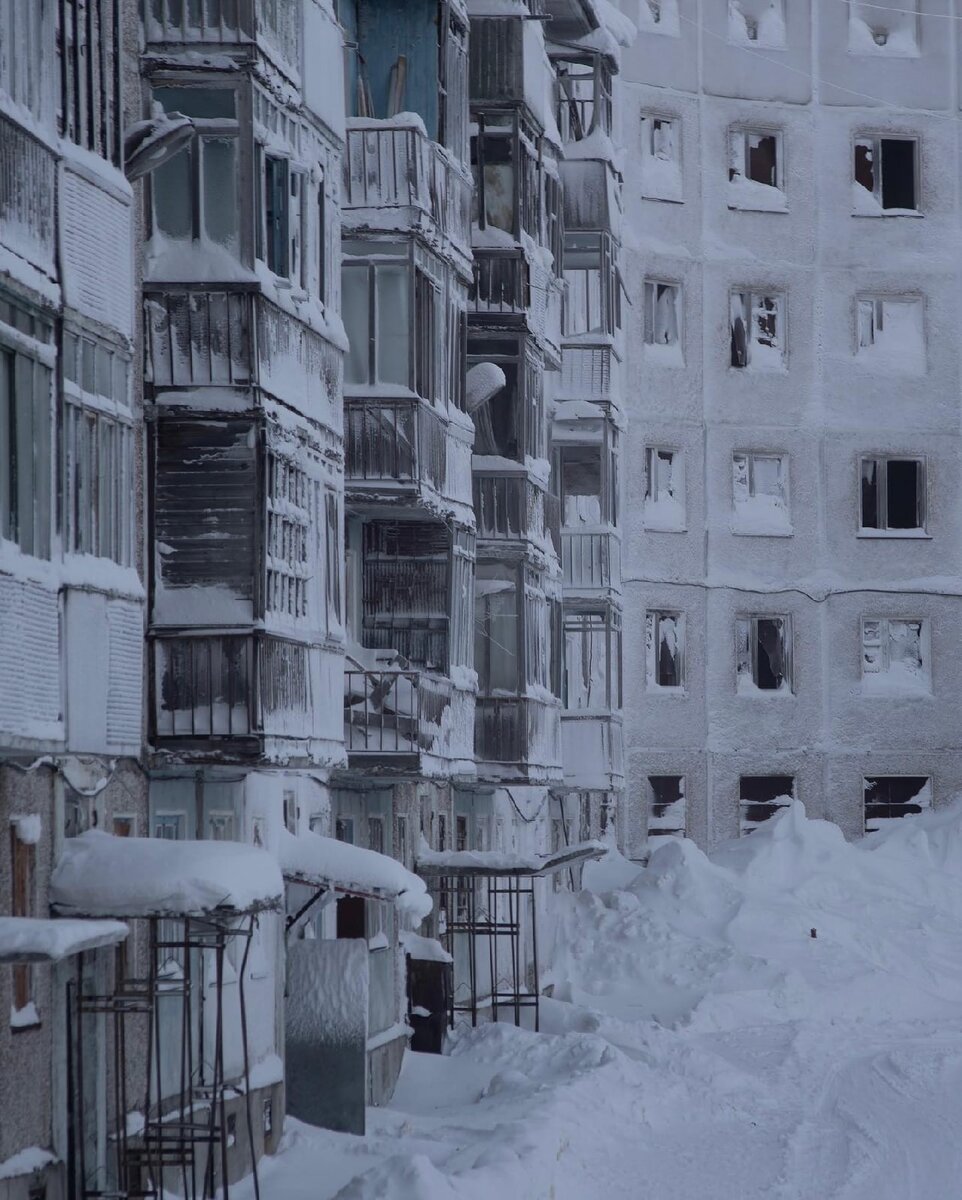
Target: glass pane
172, 202
206, 103
355, 312
24, 453
393, 325
220, 190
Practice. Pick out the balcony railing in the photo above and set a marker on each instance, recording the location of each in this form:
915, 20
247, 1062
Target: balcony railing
501, 282
400, 441
227, 685
516, 730
509, 507
590, 561
398, 167
393, 712
225, 23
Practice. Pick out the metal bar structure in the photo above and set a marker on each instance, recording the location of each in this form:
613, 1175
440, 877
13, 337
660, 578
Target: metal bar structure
176, 1140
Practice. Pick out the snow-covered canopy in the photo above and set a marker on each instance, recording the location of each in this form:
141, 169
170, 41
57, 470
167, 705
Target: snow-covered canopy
499, 862
100, 875
47, 939
326, 862
423, 949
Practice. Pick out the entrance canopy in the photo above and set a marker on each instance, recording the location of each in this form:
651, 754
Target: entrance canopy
49, 940
489, 863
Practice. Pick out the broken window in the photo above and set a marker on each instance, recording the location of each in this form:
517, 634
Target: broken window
664, 489
760, 493
667, 806
665, 649
890, 329
592, 655
886, 175
496, 633
764, 653
288, 526
584, 97
662, 313
758, 22
891, 797
757, 337
26, 462
376, 309
895, 653
591, 302
661, 157
755, 170
760, 797
493, 155
892, 494
580, 471
891, 29
23, 871
195, 193
500, 422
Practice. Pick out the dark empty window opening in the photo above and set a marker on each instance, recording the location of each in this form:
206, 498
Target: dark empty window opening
350, 917
888, 168
581, 487
893, 493
754, 156
762, 796
499, 420
667, 806
890, 797
764, 653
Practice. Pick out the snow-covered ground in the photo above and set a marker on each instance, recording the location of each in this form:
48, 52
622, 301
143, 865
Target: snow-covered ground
702, 1044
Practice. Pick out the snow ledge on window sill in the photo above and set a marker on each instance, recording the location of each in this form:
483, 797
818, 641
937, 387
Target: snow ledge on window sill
664, 528
744, 531
890, 212
883, 535
661, 689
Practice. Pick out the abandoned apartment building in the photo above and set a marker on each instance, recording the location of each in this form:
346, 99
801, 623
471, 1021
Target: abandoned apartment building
321, 507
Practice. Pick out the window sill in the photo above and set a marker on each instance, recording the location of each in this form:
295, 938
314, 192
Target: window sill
663, 199
757, 533
894, 535
911, 213
665, 528
659, 689
882, 693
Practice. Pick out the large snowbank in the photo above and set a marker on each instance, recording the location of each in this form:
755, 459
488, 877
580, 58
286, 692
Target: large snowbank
100, 875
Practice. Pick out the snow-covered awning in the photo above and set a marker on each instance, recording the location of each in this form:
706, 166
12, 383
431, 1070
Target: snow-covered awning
327, 863
423, 949
499, 863
100, 875
49, 939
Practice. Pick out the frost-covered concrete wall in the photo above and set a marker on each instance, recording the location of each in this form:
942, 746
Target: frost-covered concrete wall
818, 85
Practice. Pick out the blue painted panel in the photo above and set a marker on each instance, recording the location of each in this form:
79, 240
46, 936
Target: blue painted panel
388, 29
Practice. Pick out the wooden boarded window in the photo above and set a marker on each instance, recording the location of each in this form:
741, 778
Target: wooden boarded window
23, 860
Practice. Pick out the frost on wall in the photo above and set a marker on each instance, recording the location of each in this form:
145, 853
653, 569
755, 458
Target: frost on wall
665, 650
756, 22
664, 489
757, 339
895, 656
884, 29
661, 157
658, 16
890, 334
760, 494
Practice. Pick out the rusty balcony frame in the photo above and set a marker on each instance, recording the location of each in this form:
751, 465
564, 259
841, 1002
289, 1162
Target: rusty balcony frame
395, 441
389, 726
398, 167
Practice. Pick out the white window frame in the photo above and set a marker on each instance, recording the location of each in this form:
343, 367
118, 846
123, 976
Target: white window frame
929, 783
739, 149
653, 620
752, 458
882, 529
651, 190
876, 140
749, 300
788, 648
651, 287
883, 646
870, 318
652, 496
222, 822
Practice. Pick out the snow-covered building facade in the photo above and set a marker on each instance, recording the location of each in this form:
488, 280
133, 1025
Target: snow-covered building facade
792, 548
71, 599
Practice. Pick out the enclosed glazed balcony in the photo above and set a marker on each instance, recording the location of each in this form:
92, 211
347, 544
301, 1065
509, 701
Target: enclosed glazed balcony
394, 446
591, 561
517, 737
225, 23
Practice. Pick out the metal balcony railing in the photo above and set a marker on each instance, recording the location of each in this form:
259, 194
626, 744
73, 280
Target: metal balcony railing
397, 166
393, 712
590, 560
394, 440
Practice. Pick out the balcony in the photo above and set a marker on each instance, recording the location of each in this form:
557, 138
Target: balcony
396, 167
591, 562
501, 284
394, 719
593, 750
518, 737
224, 23
233, 687
509, 507
394, 444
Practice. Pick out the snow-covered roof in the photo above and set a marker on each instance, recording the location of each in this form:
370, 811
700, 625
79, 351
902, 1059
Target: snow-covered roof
100, 875
499, 862
326, 862
48, 939
424, 949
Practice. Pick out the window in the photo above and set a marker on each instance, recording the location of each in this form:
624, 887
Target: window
195, 193
26, 469
123, 825
756, 22
579, 469
592, 655
453, 87
661, 157
375, 834
406, 591
442, 831
376, 307
892, 495
91, 57
279, 186
290, 810
428, 339
764, 654
658, 16
665, 650
664, 489
886, 176
895, 654
667, 806
584, 97
322, 233
332, 511
760, 797
890, 332
890, 29
891, 797
401, 839
23, 868
27, 43
755, 170
220, 826
351, 917
592, 296
344, 830
757, 337
267, 1115
663, 316
760, 493
511, 423
288, 529
171, 826
496, 634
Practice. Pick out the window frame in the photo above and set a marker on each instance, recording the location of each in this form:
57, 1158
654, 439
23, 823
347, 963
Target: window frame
788, 649
651, 285
653, 620
908, 299
753, 294
677, 459
877, 139
883, 530
885, 646
929, 783
23, 894
742, 133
